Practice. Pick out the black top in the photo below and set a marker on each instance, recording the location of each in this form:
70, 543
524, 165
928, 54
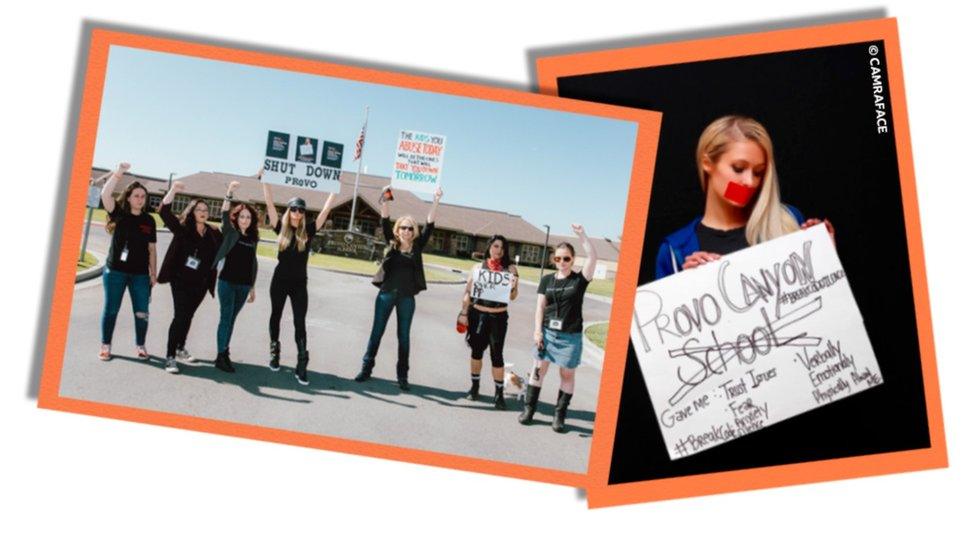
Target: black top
399, 274
394, 262
239, 263
720, 242
130, 239
564, 300
292, 263
231, 236
188, 248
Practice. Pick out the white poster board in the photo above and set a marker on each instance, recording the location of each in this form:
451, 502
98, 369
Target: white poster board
295, 160
491, 285
759, 336
419, 161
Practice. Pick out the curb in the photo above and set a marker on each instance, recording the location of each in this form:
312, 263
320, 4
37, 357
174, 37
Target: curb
590, 348
93, 271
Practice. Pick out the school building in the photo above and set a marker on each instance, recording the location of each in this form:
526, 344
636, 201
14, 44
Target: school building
460, 231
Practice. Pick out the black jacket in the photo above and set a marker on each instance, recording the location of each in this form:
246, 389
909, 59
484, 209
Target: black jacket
184, 241
420, 281
231, 236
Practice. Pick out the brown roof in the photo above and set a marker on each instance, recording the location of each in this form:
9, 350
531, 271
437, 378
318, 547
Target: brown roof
154, 184
606, 249
474, 221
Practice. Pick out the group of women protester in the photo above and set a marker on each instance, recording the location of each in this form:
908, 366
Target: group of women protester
736, 172
202, 259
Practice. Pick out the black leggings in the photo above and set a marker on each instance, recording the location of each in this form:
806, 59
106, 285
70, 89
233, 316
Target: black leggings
487, 330
297, 291
186, 300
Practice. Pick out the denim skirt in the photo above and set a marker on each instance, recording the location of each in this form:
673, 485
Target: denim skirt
562, 348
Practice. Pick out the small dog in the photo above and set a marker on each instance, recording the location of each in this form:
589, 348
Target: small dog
514, 384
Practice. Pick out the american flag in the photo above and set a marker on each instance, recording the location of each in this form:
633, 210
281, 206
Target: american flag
360, 143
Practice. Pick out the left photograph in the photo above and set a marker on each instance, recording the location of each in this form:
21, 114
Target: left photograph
343, 258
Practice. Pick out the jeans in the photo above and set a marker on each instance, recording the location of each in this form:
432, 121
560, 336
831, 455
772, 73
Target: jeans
385, 303
114, 284
232, 298
297, 291
186, 299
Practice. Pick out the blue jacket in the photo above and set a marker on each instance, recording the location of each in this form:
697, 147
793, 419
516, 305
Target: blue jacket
684, 242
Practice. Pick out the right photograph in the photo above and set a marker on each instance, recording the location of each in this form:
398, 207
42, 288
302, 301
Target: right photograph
781, 330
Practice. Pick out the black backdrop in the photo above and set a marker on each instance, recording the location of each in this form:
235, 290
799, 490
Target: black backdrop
819, 107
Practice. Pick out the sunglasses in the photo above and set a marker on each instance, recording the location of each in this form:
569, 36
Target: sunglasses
561, 258
297, 209
406, 228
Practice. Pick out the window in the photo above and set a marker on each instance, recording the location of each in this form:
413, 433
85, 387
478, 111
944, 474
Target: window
461, 242
437, 241
530, 254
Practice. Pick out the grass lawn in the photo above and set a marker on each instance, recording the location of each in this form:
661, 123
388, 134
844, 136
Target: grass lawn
89, 261
597, 334
352, 265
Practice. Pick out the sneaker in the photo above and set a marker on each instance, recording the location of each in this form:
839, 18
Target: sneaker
105, 353
171, 365
184, 356
142, 353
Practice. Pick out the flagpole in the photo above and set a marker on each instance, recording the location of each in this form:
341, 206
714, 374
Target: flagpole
359, 170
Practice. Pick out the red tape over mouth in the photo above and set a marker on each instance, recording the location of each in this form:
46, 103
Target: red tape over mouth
738, 193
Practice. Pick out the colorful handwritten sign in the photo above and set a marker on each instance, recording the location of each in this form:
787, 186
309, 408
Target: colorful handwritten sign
418, 162
759, 336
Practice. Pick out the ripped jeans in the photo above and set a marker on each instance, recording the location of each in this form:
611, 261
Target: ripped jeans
114, 284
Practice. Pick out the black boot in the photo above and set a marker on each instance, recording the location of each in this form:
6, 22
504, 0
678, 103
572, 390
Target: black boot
223, 362
531, 400
475, 389
403, 366
365, 373
301, 369
275, 363
562, 406
500, 398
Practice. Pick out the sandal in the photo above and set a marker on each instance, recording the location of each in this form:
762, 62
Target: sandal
142, 353
105, 353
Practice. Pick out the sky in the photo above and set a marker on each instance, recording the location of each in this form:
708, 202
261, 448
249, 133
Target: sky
168, 113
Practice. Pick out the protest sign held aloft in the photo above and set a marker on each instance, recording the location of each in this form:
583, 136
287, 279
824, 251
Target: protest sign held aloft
759, 336
299, 161
491, 285
419, 161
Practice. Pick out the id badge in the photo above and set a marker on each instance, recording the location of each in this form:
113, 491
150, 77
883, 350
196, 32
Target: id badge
555, 324
192, 262
124, 255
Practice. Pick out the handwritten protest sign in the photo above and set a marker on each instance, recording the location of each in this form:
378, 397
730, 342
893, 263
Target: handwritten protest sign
299, 161
762, 335
418, 163
491, 285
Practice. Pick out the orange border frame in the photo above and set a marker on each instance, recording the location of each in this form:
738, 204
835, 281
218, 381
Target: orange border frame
101, 40
551, 68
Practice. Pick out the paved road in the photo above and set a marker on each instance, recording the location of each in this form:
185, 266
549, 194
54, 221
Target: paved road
433, 416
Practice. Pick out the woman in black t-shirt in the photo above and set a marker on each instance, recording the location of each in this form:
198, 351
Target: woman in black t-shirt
399, 278
235, 285
131, 261
290, 279
486, 320
559, 327
187, 267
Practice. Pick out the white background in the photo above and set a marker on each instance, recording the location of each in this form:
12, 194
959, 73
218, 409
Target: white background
69, 478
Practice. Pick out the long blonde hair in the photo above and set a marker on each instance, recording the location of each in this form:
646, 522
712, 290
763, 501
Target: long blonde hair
288, 232
768, 218
395, 243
